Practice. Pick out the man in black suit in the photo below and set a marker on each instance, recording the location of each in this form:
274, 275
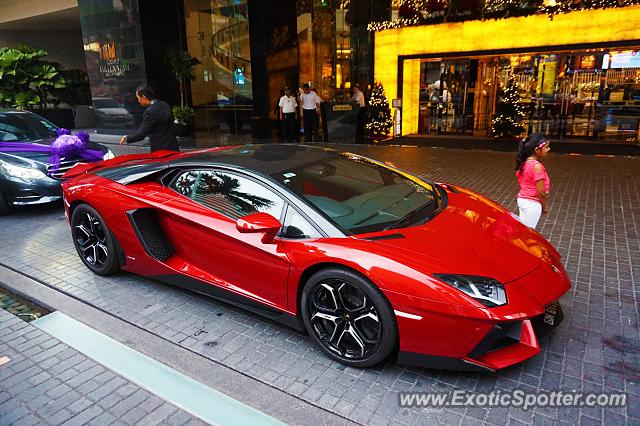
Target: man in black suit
157, 122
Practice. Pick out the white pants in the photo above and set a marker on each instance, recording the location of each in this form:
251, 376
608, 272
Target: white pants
530, 212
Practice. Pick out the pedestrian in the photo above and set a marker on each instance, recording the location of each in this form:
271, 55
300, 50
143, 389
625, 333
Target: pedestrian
533, 178
310, 109
316, 129
288, 107
358, 97
157, 122
276, 113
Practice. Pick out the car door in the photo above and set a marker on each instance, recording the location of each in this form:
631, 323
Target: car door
203, 226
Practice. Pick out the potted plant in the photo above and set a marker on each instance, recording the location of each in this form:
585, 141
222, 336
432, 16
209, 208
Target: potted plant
182, 66
183, 119
27, 81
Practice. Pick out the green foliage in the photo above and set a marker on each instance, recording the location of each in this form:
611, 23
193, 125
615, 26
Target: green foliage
183, 114
78, 91
182, 66
27, 80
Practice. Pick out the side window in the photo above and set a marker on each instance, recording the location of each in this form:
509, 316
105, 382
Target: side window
229, 194
297, 227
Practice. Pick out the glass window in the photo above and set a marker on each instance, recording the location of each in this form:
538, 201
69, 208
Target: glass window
229, 194
297, 227
360, 196
24, 127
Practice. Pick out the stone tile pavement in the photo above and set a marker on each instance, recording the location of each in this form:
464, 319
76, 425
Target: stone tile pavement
48, 383
594, 221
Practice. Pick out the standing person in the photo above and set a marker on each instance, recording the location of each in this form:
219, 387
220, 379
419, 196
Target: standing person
310, 109
157, 122
316, 129
358, 97
533, 178
276, 112
288, 107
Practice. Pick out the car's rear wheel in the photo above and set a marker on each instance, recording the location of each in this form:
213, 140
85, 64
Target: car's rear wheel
348, 317
93, 241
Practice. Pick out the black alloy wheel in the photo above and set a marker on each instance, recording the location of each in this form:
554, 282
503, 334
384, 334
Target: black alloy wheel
349, 317
93, 241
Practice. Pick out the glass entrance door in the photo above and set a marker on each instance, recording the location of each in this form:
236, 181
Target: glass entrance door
446, 101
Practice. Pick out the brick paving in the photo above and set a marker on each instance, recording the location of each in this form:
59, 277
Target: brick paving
594, 221
47, 382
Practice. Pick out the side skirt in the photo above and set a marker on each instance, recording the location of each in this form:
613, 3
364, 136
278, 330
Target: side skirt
438, 362
195, 285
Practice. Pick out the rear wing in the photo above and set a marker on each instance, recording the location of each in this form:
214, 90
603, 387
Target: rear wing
82, 168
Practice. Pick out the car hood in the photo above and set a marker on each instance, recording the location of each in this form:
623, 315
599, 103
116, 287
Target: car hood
475, 236
40, 158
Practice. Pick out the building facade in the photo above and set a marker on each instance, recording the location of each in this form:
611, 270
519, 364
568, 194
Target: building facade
449, 63
577, 74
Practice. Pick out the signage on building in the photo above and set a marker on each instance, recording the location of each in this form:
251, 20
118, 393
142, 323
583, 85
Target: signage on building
114, 68
342, 107
625, 59
108, 51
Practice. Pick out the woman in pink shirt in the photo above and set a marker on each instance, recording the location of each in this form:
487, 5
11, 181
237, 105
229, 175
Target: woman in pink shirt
533, 178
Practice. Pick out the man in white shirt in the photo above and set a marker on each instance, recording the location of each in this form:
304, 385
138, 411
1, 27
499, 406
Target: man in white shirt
358, 97
288, 107
310, 109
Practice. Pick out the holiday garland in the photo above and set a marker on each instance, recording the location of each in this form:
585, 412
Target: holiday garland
419, 12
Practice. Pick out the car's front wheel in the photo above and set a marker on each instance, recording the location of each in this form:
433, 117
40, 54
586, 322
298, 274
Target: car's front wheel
348, 317
93, 241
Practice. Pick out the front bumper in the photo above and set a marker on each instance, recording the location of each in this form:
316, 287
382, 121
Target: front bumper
507, 343
22, 192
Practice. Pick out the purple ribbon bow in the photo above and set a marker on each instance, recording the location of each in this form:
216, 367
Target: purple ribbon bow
65, 146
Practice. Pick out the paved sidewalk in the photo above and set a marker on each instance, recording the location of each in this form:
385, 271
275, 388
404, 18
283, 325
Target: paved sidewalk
593, 221
47, 382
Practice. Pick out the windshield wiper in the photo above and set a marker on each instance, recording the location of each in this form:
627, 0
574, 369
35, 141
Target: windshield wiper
408, 218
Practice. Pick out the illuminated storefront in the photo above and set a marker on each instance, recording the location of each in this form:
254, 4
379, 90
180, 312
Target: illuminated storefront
577, 76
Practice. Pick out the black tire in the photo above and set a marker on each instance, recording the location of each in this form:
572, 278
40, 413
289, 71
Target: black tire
93, 241
348, 317
4, 206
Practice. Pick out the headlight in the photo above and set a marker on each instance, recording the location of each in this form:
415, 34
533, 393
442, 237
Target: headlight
21, 172
485, 290
109, 155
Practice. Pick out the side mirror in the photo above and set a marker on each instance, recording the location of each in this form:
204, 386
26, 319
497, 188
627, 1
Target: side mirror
259, 222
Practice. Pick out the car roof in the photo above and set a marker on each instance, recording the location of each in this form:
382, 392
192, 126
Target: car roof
261, 159
266, 159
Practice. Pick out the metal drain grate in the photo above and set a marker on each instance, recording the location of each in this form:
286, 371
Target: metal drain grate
27, 311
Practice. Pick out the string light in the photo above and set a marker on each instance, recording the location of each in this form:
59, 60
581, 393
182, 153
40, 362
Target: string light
379, 115
428, 10
510, 113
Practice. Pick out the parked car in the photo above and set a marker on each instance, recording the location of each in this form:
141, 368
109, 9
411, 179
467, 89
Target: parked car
110, 114
371, 261
28, 177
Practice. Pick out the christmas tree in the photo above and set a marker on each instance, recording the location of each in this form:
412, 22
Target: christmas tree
507, 121
378, 115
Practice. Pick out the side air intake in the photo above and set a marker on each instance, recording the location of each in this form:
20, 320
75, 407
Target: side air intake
147, 227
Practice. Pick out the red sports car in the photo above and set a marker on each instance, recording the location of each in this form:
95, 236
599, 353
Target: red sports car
371, 261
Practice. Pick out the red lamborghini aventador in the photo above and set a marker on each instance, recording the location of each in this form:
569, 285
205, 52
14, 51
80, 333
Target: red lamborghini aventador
371, 261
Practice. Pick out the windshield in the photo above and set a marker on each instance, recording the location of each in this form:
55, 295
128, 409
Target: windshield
106, 103
359, 195
24, 127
